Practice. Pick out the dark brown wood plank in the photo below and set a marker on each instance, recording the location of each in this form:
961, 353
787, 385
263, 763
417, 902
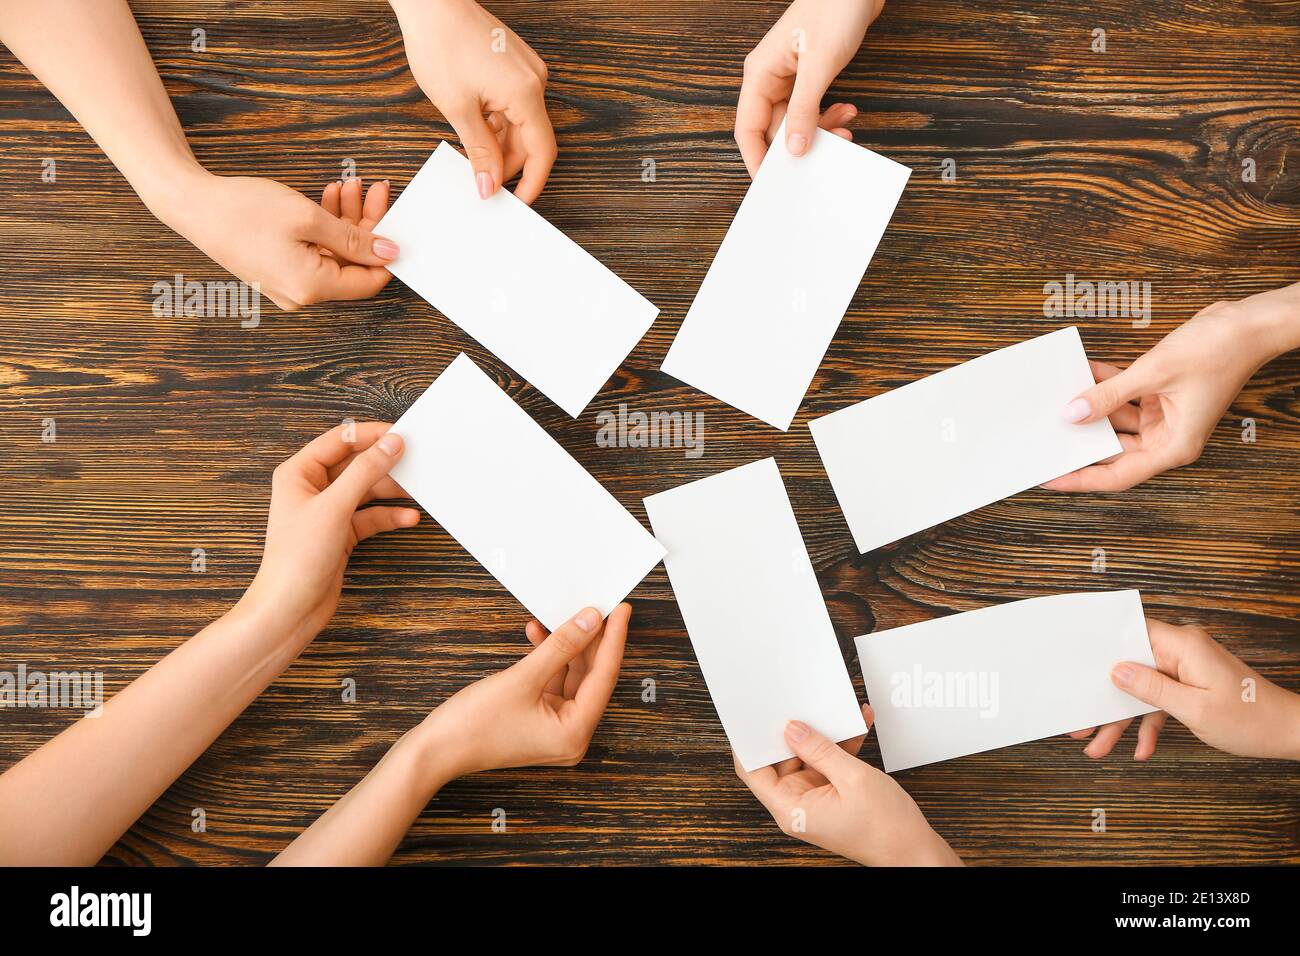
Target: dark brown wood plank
1122, 166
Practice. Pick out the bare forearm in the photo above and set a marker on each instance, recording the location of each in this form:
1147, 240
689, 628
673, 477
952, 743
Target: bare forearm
69, 802
365, 827
90, 55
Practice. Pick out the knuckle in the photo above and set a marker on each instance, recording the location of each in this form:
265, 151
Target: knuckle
352, 239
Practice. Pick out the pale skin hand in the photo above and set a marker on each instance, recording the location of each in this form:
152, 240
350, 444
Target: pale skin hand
1215, 695
490, 86
844, 805
69, 801
542, 710
90, 54
789, 71
1165, 406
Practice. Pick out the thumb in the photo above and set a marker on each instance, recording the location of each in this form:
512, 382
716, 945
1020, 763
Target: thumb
481, 147
349, 241
365, 471
1104, 397
820, 753
1152, 687
564, 644
804, 112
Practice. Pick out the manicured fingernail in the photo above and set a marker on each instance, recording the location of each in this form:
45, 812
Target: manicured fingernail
796, 730
390, 444
587, 619
797, 143
484, 180
1123, 675
1077, 410
385, 248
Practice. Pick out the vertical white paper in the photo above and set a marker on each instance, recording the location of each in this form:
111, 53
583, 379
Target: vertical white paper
960, 439
753, 610
1002, 675
522, 288
785, 274
517, 501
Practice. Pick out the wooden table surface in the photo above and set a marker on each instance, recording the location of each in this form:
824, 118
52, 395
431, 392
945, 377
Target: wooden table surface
1123, 166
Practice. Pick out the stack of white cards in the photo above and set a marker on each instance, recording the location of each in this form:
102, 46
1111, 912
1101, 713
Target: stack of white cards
754, 337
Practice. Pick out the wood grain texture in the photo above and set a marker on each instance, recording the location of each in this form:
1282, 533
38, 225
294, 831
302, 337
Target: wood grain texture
1122, 166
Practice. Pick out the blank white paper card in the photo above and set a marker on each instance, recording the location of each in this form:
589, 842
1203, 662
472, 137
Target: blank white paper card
1002, 675
517, 501
785, 274
753, 610
960, 439
523, 289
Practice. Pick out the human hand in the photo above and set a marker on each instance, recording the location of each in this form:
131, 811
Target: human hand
1165, 406
1219, 699
826, 796
298, 253
542, 710
316, 519
789, 71
469, 64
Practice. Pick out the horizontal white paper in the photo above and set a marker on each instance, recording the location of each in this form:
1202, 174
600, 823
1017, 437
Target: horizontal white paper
522, 288
785, 274
753, 610
1002, 675
960, 439
517, 501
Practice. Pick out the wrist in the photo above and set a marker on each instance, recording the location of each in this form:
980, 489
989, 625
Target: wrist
1272, 322
919, 846
262, 608
170, 188
431, 753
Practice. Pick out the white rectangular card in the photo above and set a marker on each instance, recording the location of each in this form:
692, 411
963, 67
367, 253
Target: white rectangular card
785, 274
753, 610
960, 439
517, 501
1002, 675
524, 290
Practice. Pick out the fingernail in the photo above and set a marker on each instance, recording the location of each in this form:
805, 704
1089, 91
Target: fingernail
1077, 410
1123, 675
390, 444
587, 619
797, 730
484, 180
797, 143
385, 248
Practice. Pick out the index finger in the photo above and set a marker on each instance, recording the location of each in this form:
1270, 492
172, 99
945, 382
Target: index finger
598, 683
325, 451
753, 114
540, 150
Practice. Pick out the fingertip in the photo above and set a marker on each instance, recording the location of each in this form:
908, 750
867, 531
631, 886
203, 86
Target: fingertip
409, 517
796, 143
390, 444
587, 620
1077, 412
385, 248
